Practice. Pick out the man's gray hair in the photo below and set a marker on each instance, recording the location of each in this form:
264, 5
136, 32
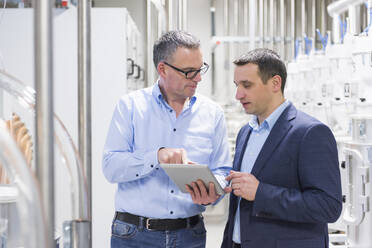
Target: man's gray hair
168, 43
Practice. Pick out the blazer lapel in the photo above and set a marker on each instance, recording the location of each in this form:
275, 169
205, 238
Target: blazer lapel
240, 148
239, 153
276, 135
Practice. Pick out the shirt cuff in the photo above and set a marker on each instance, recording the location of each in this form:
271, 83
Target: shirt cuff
221, 180
150, 161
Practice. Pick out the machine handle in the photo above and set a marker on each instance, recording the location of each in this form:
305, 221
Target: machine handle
130, 67
143, 74
362, 174
138, 71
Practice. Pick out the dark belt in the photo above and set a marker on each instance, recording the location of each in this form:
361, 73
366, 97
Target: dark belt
235, 245
157, 224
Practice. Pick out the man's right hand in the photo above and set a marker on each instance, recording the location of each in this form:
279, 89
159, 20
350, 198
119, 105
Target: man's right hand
172, 156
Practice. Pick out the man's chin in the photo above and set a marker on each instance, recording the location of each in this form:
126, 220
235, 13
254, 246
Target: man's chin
248, 111
191, 93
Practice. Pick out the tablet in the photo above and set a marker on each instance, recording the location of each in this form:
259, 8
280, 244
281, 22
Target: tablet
182, 174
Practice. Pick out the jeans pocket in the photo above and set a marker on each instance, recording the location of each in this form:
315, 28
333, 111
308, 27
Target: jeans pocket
199, 229
123, 230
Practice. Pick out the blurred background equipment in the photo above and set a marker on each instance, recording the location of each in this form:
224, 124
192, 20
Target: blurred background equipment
62, 81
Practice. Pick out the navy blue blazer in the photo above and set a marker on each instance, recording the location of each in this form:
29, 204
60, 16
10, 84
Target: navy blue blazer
299, 190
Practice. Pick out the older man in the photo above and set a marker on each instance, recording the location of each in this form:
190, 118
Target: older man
166, 123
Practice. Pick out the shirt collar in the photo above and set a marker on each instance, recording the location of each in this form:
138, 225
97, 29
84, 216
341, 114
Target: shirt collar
156, 93
270, 121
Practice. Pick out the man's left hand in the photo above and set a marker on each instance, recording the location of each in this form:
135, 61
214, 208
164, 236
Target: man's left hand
199, 193
242, 185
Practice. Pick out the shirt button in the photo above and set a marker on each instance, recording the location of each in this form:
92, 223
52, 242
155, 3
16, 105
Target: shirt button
157, 168
172, 191
171, 111
137, 175
152, 166
171, 212
174, 129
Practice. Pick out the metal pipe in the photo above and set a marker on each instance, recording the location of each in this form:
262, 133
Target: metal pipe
180, 12
353, 15
162, 17
1, 104
43, 34
148, 47
261, 22
313, 21
226, 24
265, 21
170, 15
213, 56
273, 21
84, 99
269, 27
252, 24
369, 9
336, 29
76, 232
323, 27
159, 29
293, 27
184, 14
245, 17
282, 28
341, 6
234, 48
236, 17
335, 9
303, 18
227, 46
213, 17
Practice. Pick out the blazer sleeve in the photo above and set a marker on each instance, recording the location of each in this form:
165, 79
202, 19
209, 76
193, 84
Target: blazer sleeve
319, 198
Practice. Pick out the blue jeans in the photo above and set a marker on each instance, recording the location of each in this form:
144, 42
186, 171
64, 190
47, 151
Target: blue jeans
125, 235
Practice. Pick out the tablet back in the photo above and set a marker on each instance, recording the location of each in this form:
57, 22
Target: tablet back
182, 174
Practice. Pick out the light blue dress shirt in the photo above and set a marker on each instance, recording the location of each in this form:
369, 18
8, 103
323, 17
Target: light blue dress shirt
256, 141
142, 123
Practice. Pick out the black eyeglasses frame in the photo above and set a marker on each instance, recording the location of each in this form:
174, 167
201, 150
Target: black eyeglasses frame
193, 73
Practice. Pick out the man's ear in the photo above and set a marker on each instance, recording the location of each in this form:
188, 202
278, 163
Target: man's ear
277, 83
161, 69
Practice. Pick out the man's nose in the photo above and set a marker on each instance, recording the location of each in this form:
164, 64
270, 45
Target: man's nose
197, 78
239, 93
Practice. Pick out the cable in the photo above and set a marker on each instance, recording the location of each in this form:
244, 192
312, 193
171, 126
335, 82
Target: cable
323, 39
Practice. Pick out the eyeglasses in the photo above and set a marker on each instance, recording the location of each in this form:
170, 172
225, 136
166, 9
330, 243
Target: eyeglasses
191, 74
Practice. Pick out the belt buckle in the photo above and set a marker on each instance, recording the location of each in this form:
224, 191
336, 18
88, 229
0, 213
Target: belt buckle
148, 224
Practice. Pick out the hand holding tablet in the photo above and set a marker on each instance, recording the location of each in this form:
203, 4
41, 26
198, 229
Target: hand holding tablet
182, 174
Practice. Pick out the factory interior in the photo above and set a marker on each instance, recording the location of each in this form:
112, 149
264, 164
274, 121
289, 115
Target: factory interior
64, 65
